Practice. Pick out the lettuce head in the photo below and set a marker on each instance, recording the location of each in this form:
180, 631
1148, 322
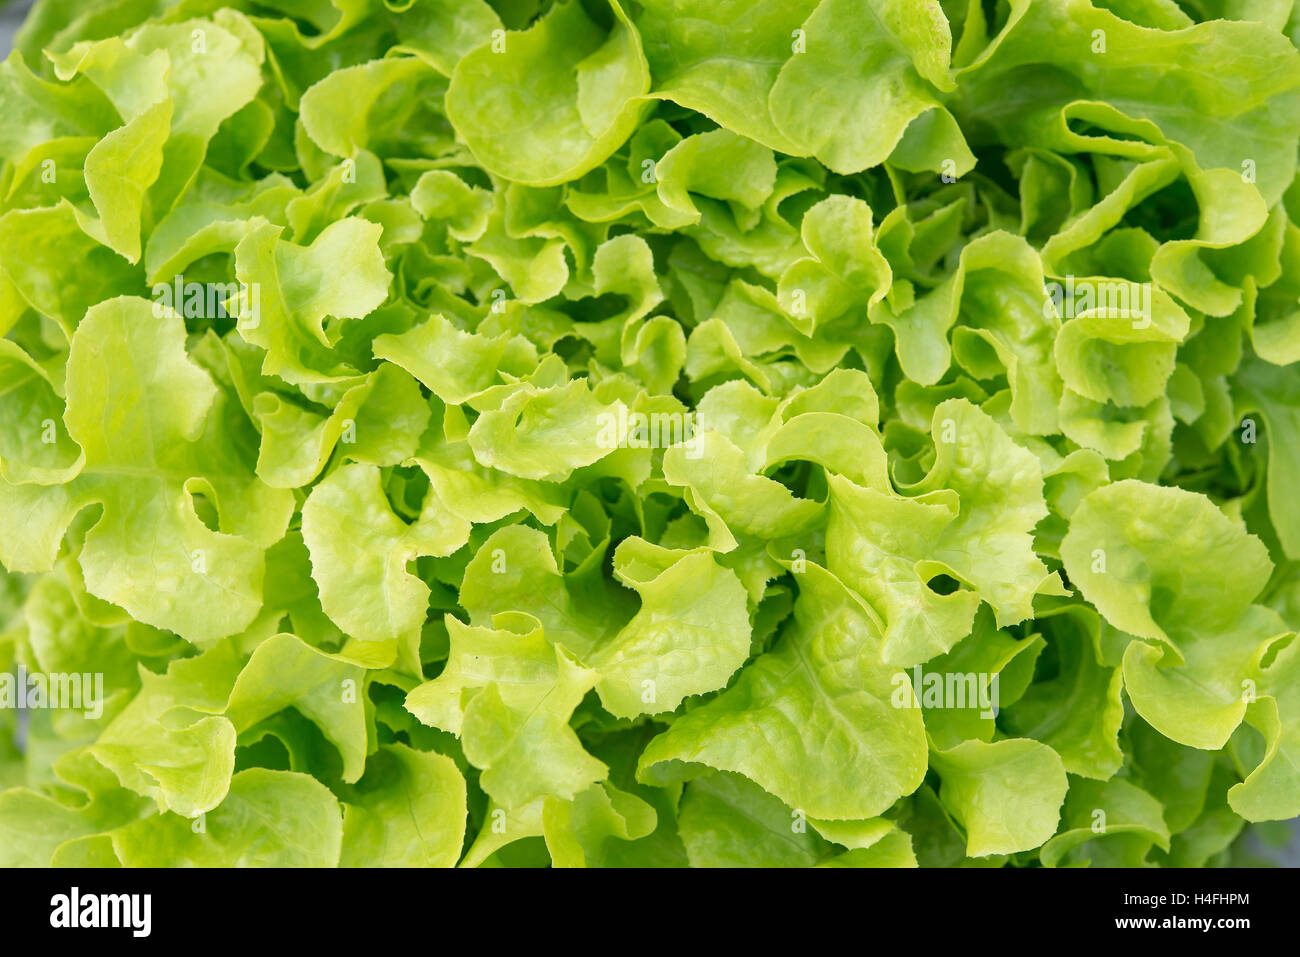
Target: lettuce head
606, 433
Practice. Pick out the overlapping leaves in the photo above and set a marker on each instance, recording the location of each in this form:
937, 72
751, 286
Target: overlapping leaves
574, 432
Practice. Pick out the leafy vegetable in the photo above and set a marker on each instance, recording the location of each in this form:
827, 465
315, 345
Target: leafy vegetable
669, 433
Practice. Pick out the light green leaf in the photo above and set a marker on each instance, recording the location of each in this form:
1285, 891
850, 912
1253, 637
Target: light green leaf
172, 435
689, 636
548, 104
1006, 795
794, 720
408, 811
360, 550
269, 819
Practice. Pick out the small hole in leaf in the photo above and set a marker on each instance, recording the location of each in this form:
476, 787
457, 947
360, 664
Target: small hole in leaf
943, 584
206, 510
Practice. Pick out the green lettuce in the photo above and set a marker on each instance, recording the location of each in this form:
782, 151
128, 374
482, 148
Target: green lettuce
595, 433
